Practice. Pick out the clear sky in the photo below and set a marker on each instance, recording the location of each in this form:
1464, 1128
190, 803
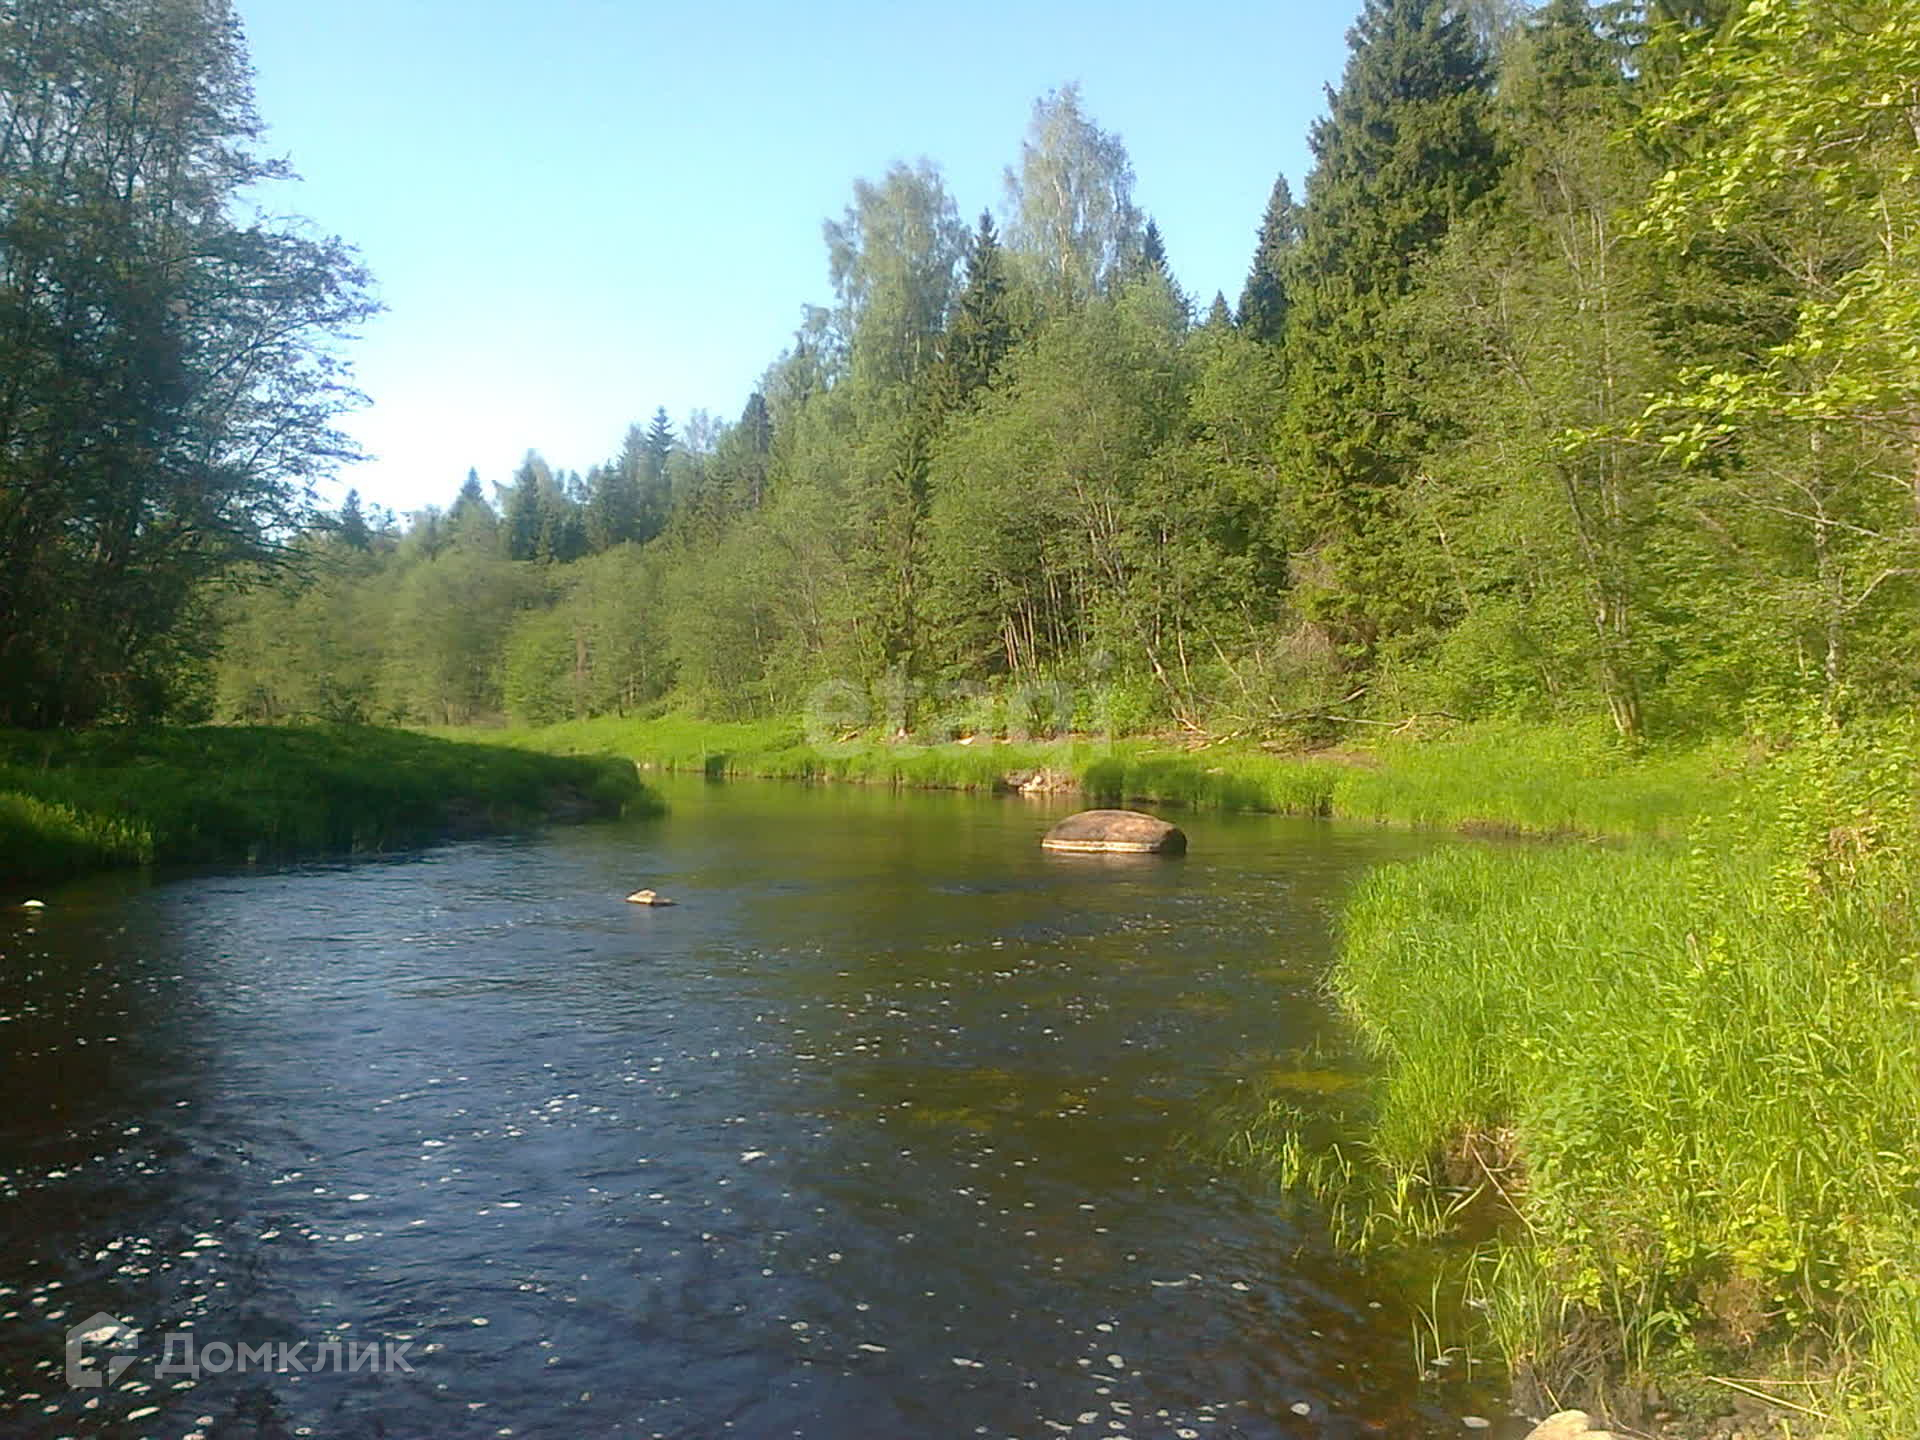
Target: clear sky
578, 210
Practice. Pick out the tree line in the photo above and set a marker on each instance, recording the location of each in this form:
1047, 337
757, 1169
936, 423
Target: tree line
1578, 379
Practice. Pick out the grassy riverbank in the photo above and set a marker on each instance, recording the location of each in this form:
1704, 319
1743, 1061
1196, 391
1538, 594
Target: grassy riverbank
1689, 1070
73, 802
1528, 781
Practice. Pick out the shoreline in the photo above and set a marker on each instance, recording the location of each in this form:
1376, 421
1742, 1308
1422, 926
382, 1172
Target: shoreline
1513, 781
73, 803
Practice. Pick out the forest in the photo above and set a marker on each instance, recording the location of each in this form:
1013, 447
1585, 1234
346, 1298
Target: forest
1578, 380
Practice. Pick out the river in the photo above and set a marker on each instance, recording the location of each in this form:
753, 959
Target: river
893, 1126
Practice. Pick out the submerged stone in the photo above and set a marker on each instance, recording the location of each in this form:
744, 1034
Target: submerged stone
1116, 832
647, 897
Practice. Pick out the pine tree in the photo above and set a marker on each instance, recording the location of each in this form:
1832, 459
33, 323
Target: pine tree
1219, 314
1263, 303
756, 447
472, 521
353, 524
1406, 149
1153, 251
520, 511
1150, 263
659, 445
981, 331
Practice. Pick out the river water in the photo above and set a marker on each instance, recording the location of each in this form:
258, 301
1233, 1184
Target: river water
893, 1126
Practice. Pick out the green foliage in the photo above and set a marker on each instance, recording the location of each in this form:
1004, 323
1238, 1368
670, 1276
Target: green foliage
1565, 780
981, 330
170, 383
1796, 183
449, 622
310, 650
1532, 329
76, 802
1074, 222
1406, 151
892, 259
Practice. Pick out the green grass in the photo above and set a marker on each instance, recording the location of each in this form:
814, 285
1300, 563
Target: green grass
72, 802
1562, 781
1548, 782
1692, 1069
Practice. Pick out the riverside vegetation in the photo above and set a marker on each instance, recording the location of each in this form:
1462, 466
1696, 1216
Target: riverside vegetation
1569, 414
77, 801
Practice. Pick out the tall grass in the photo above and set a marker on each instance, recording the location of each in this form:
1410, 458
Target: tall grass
1699, 1065
1565, 780
1568, 781
71, 802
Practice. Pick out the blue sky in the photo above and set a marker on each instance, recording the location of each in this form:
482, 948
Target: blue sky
580, 209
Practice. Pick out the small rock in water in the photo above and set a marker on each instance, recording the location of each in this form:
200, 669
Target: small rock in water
1475, 1422
1301, 1407
647, 897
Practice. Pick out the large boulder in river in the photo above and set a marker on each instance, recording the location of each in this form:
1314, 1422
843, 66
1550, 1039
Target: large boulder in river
1116, 832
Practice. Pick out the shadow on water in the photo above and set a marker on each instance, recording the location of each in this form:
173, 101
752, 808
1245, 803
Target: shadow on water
886, 1128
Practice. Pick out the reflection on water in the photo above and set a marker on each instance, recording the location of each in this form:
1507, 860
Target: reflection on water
886, 1129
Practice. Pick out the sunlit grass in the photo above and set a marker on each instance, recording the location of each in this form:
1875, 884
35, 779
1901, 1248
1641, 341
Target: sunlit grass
1552, 782
1565, 780
80, 801
1703, 1057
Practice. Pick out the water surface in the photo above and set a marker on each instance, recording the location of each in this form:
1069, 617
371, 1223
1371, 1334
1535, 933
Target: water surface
893, 1126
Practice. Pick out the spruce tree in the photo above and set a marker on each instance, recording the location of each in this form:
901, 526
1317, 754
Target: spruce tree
1151, 264
353, 524
472, 521
1407, 149
659, 445
756, 449
1263, 303
520, 512
1153, 250
981, 331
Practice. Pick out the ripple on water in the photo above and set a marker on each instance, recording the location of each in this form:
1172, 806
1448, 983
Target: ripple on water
892, 1131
